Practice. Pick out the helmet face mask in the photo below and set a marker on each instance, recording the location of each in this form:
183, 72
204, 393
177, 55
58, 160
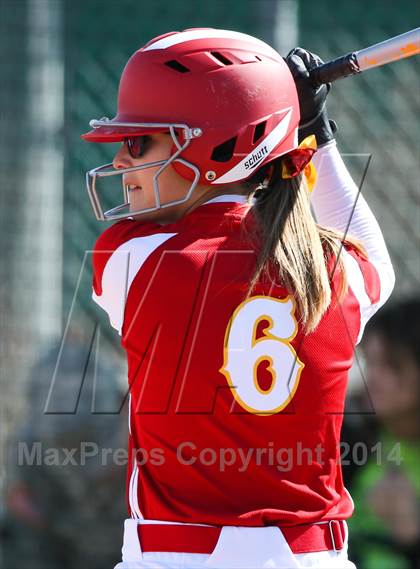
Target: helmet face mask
228, 100
122, 211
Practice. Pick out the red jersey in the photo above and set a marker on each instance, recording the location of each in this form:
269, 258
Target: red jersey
235, 412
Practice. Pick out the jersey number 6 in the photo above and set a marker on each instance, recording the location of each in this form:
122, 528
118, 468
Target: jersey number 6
249, 343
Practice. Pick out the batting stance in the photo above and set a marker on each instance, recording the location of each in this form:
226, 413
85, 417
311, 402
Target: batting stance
239, 312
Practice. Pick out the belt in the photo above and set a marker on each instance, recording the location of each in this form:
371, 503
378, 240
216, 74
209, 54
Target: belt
184, 538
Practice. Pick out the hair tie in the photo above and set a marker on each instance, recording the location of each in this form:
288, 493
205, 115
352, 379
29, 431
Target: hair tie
299, 160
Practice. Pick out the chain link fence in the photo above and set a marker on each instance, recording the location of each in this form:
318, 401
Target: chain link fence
377, 114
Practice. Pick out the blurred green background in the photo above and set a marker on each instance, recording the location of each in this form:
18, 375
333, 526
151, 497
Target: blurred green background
60, 64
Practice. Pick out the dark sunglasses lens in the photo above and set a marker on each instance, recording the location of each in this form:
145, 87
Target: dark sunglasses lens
135, 146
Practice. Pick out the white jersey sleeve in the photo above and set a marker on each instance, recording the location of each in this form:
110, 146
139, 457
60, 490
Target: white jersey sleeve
338, 204
118, 256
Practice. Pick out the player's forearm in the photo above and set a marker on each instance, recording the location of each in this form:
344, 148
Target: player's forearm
336, 200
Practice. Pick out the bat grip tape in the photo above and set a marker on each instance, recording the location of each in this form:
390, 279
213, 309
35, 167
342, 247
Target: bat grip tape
335, 69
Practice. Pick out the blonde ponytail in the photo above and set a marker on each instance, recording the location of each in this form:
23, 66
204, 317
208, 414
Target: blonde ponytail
291, 242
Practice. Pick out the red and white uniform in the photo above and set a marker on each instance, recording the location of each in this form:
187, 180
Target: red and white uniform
235, 411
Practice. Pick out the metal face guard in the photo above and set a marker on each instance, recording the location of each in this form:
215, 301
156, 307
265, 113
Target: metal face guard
122, 211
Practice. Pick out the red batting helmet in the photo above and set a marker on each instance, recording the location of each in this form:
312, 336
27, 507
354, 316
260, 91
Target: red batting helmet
228, 99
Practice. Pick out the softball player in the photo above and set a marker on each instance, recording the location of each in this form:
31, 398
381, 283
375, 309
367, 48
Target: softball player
238, 311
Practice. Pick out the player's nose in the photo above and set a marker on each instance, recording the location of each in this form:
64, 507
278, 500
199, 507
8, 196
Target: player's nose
122, 158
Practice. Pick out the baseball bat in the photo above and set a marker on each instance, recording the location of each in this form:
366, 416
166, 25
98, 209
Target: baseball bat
392, 49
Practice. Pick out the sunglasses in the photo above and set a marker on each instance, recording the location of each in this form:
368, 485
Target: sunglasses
136, 145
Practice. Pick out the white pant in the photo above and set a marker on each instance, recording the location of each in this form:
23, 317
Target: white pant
237, 548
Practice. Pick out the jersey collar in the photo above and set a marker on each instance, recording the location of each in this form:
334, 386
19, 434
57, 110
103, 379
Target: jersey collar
236, 198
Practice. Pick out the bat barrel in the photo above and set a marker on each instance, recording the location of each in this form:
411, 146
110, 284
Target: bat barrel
393, 49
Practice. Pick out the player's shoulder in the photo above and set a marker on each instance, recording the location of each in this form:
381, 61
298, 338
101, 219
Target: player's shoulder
364, 282
118, 243
121, 232
119, 254
360, 268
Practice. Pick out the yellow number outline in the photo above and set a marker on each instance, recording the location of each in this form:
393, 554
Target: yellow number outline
255, 341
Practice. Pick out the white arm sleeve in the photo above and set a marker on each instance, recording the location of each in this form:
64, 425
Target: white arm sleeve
336, 201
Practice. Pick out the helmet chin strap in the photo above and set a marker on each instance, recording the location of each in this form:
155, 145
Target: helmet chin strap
122, 211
